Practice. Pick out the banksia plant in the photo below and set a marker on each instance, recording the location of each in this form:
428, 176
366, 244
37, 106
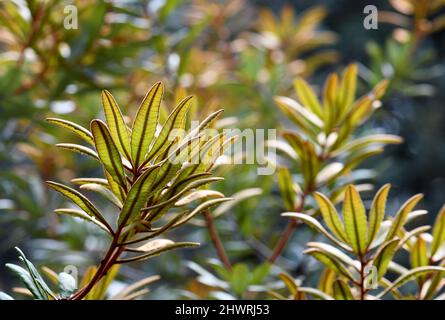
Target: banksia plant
363, 246
324, 147
147, 174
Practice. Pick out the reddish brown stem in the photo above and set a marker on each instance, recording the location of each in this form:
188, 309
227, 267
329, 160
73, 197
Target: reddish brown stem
216, 240
283, 241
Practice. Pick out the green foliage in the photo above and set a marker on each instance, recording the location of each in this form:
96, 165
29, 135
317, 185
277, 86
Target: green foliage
364, 247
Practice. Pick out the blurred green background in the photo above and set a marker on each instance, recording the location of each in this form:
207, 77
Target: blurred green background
231, 54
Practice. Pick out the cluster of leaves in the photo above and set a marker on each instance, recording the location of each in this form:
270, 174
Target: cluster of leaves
404, 59
146, 175
324, 147
363, 248
37, 288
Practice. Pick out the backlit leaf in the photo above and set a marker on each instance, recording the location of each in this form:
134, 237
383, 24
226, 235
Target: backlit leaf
354, 216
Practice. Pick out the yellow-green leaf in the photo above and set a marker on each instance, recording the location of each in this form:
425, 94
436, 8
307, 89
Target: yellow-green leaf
137, 196
108, 152
342, 291
285, 187
377, 212
73, 127
144, 126
402, 215
82, 215
330, 216
307, 96
354, 216
79, 199
438, 231
330, 261
78, 148
176, 120
116, 123
348, 87
384, 256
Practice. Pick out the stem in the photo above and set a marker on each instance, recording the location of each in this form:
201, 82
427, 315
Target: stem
109, 260
216, 240
284, 239
363, 289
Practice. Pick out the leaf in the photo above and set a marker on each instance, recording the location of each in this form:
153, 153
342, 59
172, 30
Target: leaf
107, 151
4, 296
73, 127
156, 247
330, 261
330, 216
348, 87
82, 181
419, 253
240, 278
286, 189
377, 212
363, 142
260, 273
289, 282
116, 123
293, 109
78, 148
438, 231
331, 250
82, 215
236, 198
67, 284
342, 291
315, 293
129, 290
383, 257
78, 198
144, 126
104, 191
402, 215
176, 120
307, 96
411, 274
198, 195
354, 216
137, 196
27, 281
313, 223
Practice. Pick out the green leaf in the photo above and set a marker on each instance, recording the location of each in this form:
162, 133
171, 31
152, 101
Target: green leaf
330, 216
342, 290
348, 87
108, 152
330, 261
104, 191
137, 196
27, 281
116, 123
377, 212
411, 274
82, 215
354, 216
73, 127
78, 198
260, 273
313, 223
438, 231
156, 247
286, 189
240, 278
144, 126
338, 254
419, 253
402, 215
307, 96
384, 256
176, 120
82, 181
78, 148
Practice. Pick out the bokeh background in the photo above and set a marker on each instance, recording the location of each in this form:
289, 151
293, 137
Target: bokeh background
231, 54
